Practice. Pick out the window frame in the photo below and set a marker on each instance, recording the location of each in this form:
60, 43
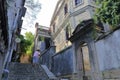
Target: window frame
78, 2
54, 27
66, 9
68, 32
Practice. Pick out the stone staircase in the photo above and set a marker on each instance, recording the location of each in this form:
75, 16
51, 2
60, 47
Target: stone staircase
27, 71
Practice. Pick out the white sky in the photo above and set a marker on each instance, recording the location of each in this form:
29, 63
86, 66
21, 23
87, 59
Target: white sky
43, 17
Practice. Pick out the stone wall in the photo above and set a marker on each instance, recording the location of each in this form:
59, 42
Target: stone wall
111, 74
108, 51
63, 62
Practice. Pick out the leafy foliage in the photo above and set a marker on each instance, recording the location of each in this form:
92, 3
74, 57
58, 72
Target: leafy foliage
109, 12
27, 43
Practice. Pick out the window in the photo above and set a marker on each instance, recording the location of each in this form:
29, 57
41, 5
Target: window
68, 32
78, 2
54, 27
66, 9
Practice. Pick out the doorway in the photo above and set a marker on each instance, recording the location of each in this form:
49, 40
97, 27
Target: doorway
86, 62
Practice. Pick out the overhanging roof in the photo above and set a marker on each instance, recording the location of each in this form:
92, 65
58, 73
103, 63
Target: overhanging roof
81, 29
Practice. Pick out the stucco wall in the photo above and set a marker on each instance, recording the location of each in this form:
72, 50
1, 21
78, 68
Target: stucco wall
63, 62
108, 50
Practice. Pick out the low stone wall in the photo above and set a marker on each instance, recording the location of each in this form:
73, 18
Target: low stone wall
111, 74
63, 62
108, 51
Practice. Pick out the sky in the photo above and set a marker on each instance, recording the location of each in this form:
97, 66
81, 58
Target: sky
43, 15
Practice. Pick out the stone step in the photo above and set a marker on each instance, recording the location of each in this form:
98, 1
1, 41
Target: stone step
48, 72
22, 71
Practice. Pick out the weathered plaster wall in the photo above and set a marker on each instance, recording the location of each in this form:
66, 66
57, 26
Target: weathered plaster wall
63, 62
108, 51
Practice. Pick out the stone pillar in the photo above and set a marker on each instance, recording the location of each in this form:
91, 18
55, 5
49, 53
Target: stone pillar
96, 74
78, 62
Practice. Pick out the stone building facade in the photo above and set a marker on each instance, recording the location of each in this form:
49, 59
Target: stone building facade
67, 15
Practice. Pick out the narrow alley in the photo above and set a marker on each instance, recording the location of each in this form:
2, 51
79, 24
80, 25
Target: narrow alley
82, 41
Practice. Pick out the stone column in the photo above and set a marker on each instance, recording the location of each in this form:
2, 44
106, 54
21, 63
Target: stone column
78, 62
94, 62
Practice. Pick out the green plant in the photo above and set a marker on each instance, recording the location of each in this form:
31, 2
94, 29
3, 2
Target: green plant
27, 43
108, 12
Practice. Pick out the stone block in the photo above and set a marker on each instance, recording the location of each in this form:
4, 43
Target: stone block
112, 74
